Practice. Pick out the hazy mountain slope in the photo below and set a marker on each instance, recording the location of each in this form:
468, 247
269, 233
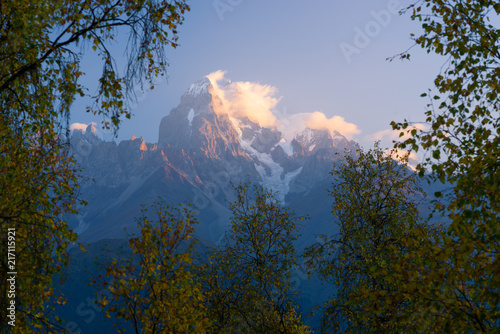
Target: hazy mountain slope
201, 150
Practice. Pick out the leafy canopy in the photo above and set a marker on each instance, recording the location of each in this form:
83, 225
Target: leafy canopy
375, 202
462, 143
41, 47
40, 65
155, 290
247, 278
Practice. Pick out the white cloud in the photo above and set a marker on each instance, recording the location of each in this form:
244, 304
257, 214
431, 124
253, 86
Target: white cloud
258, 103
393, 135
295, 123
246, 99
318, 120
78, 126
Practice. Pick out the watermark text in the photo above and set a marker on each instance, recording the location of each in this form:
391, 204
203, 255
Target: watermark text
11, 276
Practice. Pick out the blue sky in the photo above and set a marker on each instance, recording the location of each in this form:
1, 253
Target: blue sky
327, 56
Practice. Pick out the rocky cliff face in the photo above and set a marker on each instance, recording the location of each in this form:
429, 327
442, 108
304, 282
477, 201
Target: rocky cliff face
201, 149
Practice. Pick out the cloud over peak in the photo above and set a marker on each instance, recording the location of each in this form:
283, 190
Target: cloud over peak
246, 99
258, 102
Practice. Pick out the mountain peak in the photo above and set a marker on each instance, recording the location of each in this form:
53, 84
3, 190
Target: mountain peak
91, 129
200, 87
312, 140
86, 132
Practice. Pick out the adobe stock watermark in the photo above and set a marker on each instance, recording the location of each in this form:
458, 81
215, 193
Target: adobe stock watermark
87, 310
223, 6
140, 93
12, 276
221, 183
363, 37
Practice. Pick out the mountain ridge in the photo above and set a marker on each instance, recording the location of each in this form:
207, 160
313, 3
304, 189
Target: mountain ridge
202, 149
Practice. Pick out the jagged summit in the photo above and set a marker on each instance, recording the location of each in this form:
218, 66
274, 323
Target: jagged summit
198, 125
85, 137
91, 129
199, 87
312, 140
82, 129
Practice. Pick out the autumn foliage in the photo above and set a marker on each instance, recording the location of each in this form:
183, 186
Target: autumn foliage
41, 48
248, 277
155, 290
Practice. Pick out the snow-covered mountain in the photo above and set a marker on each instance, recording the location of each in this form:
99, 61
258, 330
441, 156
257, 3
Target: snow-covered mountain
201, 149
200, 124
